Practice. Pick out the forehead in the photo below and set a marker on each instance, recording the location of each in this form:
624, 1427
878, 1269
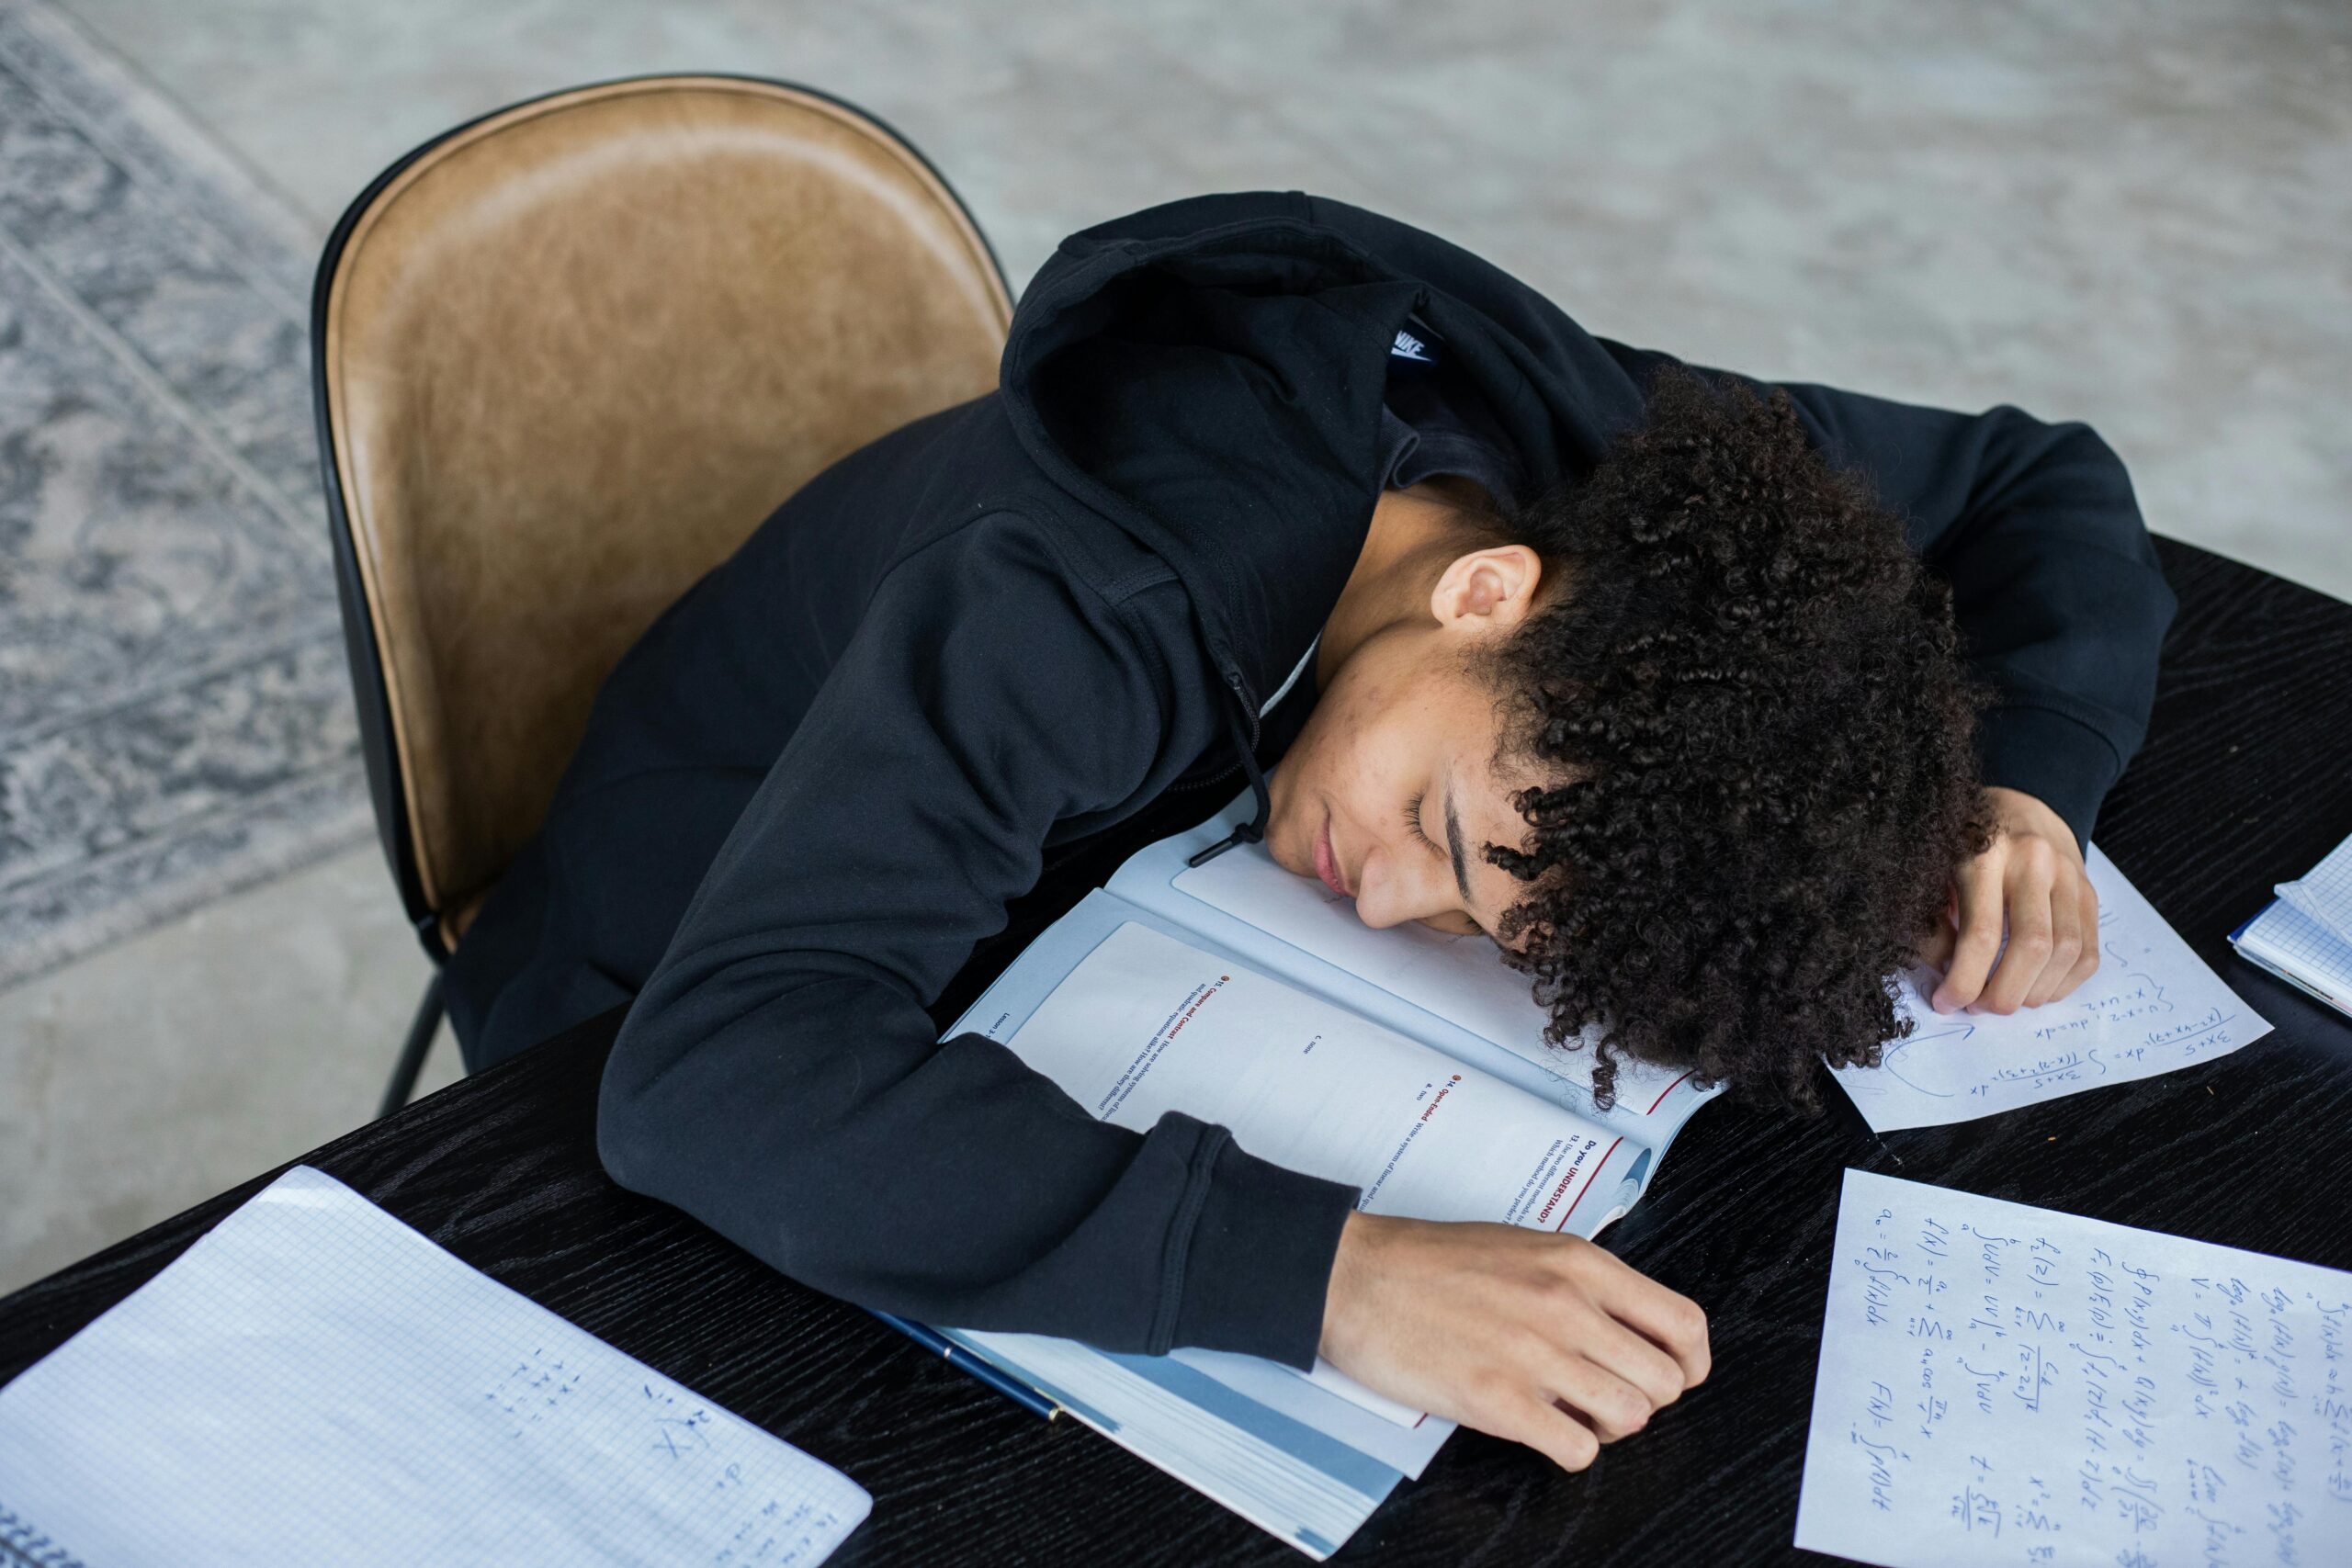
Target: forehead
1483, 775
1482, 803
1484, 772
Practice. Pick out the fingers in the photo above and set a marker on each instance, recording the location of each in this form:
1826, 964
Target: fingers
1569, 1413
1654, 1376
1935, 948
2087, 917
2053, 931
1936, 951
2029, 881
1668, 1319
1979, 889
1614, 1407
1547, 1340
2050, 915
2026, 892
1588, 1376
1531, 1419
2069, 938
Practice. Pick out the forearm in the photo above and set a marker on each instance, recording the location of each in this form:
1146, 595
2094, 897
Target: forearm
821, 1129
2060, 605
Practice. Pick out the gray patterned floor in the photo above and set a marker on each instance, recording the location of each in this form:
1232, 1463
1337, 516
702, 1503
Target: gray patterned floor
175, 720
2134, 212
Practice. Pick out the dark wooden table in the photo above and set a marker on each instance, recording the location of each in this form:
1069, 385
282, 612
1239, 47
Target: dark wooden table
2245, 781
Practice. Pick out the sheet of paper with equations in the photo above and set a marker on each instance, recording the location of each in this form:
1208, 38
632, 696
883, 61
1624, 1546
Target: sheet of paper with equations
314, 1382
2151, 1007
2003, 1384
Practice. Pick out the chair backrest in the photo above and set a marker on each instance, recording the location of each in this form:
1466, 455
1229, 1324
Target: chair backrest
567, 358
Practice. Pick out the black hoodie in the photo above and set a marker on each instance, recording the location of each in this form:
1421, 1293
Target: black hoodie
1006, 628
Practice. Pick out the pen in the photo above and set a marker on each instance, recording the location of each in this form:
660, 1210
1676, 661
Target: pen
1021, 1393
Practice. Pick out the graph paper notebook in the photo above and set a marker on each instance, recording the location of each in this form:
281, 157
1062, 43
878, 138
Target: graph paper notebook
313, 1381
1404, 1061
2304, 935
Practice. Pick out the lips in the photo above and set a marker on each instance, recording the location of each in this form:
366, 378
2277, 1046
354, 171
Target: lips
1327, 861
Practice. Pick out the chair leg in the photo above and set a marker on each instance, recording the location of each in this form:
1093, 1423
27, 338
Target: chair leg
420, 1040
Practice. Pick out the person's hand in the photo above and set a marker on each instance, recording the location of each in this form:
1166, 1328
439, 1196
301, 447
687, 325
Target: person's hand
2032, 876
1499, 1328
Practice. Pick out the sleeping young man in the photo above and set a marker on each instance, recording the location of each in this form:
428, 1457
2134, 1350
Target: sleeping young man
1712, 702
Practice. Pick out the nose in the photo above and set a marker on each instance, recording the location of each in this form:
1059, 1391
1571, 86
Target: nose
1391, 891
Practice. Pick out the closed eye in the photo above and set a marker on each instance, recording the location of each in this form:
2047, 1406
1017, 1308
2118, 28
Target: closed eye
1413, 821
1460, 921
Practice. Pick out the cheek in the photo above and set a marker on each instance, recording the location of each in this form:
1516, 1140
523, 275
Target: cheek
1397, 732
1361, 745
1328, 740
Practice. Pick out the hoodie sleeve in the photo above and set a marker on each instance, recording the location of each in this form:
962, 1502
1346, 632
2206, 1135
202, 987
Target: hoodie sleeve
2060, 603
779, 1080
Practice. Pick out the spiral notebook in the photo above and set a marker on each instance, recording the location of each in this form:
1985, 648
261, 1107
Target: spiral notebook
314, 1382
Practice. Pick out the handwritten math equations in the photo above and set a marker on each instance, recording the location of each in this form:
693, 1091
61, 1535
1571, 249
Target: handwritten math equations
2002, 1384
2151, 1005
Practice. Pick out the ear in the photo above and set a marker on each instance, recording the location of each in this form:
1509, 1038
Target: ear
1487, 591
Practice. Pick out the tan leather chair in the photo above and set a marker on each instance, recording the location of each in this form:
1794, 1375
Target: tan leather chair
566, 358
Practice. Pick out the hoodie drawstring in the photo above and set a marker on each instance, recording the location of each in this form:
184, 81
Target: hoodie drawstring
1245, 832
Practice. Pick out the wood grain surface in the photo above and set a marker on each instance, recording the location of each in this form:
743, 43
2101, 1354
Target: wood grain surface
2245, 781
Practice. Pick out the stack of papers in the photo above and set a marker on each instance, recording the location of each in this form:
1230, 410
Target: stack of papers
313, 1381
2304, 936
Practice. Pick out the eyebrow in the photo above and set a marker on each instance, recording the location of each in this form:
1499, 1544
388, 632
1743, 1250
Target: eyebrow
1453, 842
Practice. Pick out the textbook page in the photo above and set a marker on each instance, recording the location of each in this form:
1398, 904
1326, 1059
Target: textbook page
2001, 1385
2151, 1005
1147, 1020
314, 1382
1454, 992
1134, 1015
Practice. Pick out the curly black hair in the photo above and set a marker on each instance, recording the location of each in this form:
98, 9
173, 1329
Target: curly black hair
1747, 698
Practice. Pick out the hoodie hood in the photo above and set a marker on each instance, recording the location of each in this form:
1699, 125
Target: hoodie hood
1209, 375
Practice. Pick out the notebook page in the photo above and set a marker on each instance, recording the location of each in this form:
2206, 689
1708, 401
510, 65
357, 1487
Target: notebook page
2153, 1006
2325, 893
2001, 1384
2302, 949
314, 1382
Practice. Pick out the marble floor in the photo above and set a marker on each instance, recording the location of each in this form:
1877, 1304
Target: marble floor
2132, 212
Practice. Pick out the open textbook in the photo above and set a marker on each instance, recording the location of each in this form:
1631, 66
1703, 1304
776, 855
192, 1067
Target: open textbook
1406, 1061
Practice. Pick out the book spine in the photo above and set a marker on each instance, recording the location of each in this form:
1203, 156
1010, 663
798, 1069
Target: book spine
2340, 1004
2249, 920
